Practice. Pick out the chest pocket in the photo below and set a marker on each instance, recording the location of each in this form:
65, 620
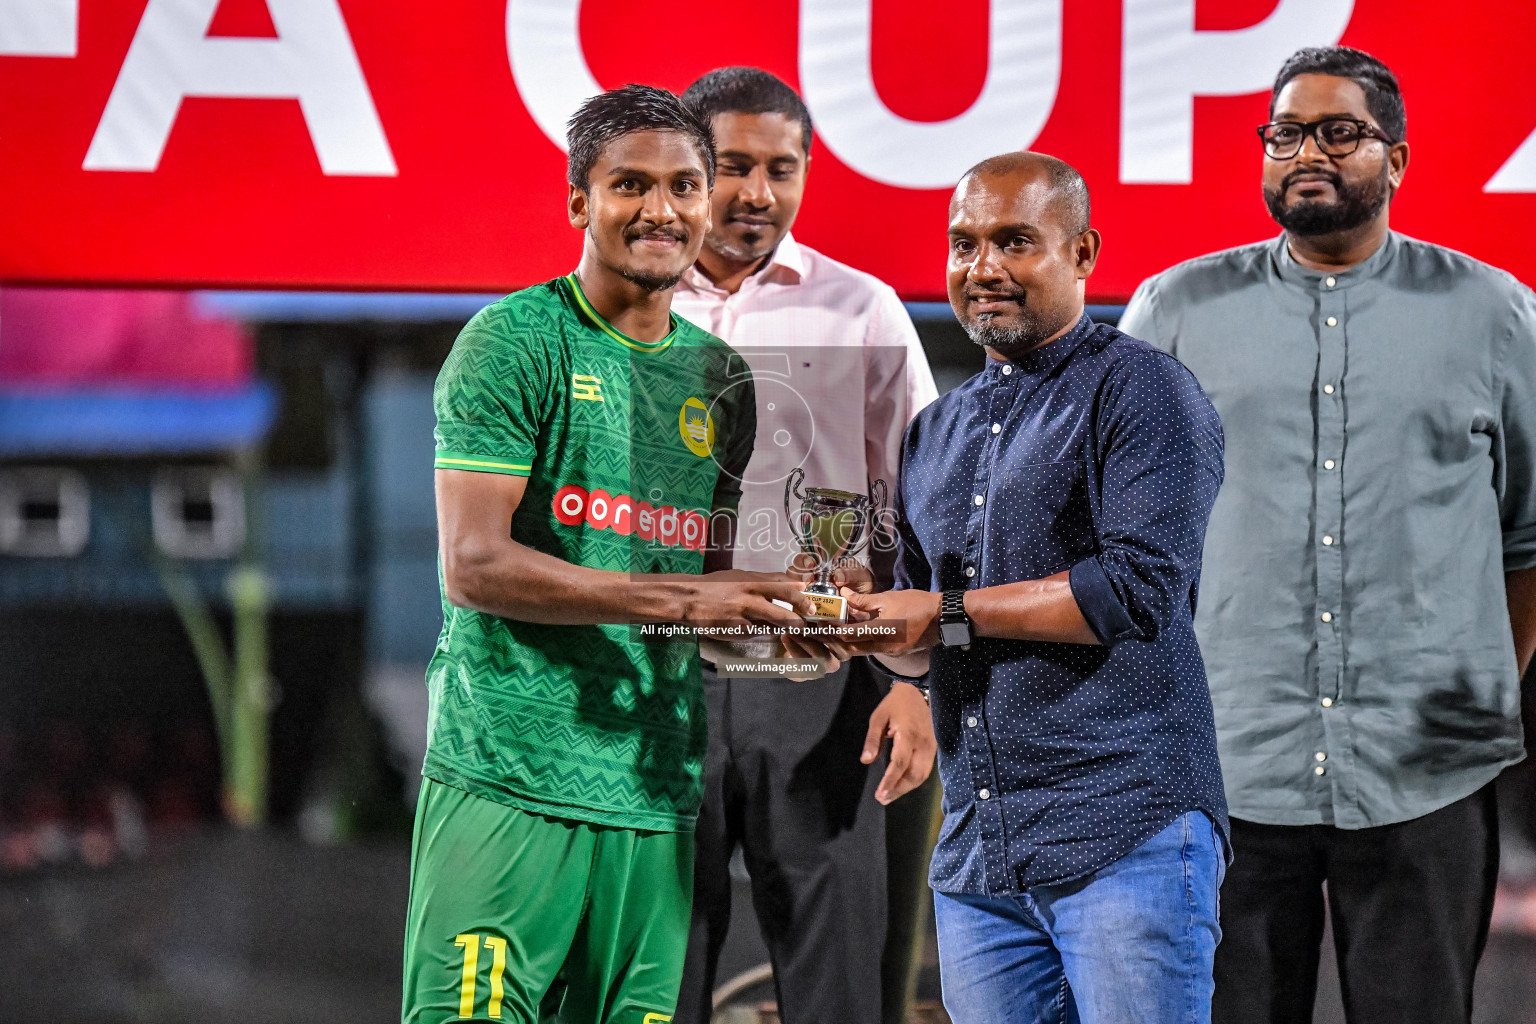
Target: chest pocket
1046, 517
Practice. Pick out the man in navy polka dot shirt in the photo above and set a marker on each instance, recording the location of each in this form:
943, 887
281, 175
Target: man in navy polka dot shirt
1053, 510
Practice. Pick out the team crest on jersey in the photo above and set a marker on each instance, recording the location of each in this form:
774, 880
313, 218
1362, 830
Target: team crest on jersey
697, 427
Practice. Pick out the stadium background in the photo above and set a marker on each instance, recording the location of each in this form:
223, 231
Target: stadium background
218, 334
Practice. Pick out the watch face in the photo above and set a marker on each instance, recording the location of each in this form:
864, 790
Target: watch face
954, 634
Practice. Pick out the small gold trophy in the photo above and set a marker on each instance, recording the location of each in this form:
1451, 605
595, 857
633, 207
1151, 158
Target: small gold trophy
833, 527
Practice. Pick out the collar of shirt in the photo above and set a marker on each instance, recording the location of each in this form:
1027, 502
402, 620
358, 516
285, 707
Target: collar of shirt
1041, 361
786, 265
1338, 280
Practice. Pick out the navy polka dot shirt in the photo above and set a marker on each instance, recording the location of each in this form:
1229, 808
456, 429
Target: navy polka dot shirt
1099, 454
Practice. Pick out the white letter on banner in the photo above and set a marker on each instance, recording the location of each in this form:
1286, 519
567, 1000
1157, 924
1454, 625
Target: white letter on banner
1023, 69
39, 28
1519, 172
1166, 64
551, 73
312, 61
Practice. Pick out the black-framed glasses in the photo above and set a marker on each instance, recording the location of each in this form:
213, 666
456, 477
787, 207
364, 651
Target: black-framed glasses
1336, 136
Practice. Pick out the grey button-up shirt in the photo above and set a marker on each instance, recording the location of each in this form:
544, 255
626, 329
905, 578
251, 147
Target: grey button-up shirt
1381, 480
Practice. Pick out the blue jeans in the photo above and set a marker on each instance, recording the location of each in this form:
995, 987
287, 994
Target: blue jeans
1133, 942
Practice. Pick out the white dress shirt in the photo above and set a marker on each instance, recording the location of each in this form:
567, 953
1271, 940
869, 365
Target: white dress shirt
839, 373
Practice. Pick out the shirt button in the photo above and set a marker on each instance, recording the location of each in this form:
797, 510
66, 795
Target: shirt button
1327, 389
1007, 370
1326, 616
997, 428
970, 571
985, 794
1319, 770
1327, 702
1331, 282
1327, 541
979, 499
1332, 321
1321, 756
971, 721
1327, 463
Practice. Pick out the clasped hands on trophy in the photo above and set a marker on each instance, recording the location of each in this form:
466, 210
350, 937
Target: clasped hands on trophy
833, 528
912, 614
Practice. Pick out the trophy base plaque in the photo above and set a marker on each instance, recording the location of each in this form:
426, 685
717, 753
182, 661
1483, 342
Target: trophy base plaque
828, 607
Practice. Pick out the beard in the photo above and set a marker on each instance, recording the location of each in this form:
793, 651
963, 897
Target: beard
750, 249
747, 247
1356, 205
1024, 333
650, 282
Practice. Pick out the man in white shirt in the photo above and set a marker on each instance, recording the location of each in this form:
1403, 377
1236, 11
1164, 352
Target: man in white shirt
839, 373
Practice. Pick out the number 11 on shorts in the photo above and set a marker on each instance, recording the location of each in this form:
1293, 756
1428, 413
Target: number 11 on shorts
471, 945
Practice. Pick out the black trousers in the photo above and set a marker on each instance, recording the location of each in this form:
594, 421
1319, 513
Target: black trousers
1410, 905
783, 781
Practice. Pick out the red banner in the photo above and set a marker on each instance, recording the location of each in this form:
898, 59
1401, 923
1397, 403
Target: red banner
378, 144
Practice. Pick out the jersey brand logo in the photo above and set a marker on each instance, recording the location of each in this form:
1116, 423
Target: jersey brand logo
586, 387
697, 427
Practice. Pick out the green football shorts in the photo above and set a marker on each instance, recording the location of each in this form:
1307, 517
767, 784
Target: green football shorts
517, 917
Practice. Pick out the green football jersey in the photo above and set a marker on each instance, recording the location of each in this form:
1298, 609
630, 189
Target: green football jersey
628, 448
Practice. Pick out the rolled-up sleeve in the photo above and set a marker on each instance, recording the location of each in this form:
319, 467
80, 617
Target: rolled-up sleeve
1516, 442
1158, 451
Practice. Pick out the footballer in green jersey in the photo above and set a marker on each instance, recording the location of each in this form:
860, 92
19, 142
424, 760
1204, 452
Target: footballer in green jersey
589, 449
630, 449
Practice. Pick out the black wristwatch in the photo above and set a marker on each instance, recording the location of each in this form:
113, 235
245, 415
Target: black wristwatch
954, 624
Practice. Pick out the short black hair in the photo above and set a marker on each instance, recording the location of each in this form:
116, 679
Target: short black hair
742, 90
619, 112
1069, 190
1383, 98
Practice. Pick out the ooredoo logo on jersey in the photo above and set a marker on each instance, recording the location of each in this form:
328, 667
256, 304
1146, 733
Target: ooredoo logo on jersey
600, 510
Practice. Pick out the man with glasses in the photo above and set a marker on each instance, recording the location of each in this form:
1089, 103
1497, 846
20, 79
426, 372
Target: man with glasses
1369, 596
